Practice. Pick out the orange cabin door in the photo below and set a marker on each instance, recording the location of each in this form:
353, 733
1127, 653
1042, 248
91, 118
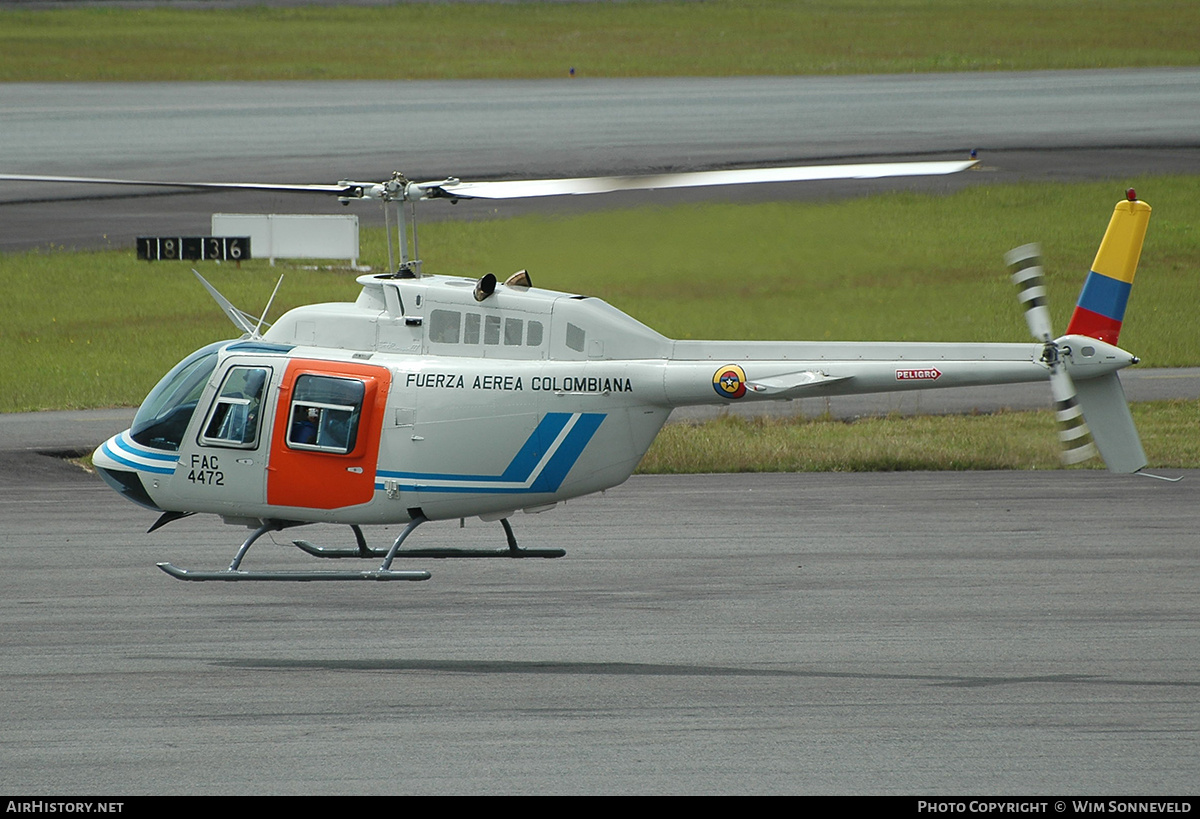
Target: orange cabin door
325, 442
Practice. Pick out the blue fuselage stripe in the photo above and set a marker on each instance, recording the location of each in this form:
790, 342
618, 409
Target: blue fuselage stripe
521, 469
121, 459
568, 453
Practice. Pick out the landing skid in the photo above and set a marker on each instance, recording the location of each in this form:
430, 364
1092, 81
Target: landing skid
234, 572
303, 577
384, 572
513, 550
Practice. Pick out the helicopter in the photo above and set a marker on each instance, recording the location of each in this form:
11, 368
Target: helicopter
441, 397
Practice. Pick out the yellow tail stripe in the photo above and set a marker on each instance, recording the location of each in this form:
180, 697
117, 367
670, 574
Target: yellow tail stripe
1122, 245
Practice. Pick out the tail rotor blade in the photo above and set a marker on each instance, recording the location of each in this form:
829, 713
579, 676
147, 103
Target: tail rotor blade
1025, 262
1073, 432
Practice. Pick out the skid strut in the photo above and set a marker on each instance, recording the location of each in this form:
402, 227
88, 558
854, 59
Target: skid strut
234, 572
395, 551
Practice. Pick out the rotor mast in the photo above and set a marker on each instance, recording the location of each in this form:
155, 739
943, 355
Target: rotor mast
396, 190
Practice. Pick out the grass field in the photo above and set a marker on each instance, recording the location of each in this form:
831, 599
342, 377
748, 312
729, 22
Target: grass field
534, 40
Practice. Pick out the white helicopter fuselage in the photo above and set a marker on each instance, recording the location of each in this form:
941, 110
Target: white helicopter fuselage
420, 400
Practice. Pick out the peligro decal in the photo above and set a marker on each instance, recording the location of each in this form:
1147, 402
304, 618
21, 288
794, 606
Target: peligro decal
931, 374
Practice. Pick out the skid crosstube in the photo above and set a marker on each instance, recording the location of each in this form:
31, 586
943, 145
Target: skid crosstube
323, 551
363, 551
384, 572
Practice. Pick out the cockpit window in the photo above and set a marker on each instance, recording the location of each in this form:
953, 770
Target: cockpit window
163, 418
324, 413
236, 415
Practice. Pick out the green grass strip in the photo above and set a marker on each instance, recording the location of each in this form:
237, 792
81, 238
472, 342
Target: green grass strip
542, 40
1005, 440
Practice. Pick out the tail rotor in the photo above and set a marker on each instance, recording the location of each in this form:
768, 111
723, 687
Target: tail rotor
1025, 262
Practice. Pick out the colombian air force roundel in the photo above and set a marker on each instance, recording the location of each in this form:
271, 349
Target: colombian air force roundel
730, 381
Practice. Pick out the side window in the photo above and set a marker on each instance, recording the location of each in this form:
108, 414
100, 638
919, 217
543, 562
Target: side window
514, 328
324, 413
575, 337
533, 337
236, 415
471, 329
491, 329
443, 326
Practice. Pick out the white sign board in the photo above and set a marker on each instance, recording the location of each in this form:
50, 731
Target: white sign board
292, 235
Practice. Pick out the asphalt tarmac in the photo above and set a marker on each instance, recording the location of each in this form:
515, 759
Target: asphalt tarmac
979, 633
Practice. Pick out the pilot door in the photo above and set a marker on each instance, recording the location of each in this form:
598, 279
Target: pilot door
325, 441
224, 462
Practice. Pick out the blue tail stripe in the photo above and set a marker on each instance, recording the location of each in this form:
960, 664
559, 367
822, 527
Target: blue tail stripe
1104, 295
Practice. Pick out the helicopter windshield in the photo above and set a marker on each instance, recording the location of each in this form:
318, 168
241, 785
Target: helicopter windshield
164, 415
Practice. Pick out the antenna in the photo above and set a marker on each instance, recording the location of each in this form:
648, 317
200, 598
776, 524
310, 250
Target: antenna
240, 319
263, 317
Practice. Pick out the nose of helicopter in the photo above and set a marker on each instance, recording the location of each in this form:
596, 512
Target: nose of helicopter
114, 463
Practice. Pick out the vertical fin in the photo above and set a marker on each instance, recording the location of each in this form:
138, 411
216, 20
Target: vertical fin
1107, 412
1101, 306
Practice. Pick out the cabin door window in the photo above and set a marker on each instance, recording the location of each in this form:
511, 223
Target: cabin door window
325, 444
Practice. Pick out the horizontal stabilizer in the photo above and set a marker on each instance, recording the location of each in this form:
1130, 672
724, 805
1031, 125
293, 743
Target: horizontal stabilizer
1107, 412
792, 382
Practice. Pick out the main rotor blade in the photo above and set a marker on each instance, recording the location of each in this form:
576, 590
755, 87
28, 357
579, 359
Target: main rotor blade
342, 190
519, 189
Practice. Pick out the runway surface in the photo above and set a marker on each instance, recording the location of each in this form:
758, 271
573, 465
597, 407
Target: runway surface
990, 633
1060, 125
